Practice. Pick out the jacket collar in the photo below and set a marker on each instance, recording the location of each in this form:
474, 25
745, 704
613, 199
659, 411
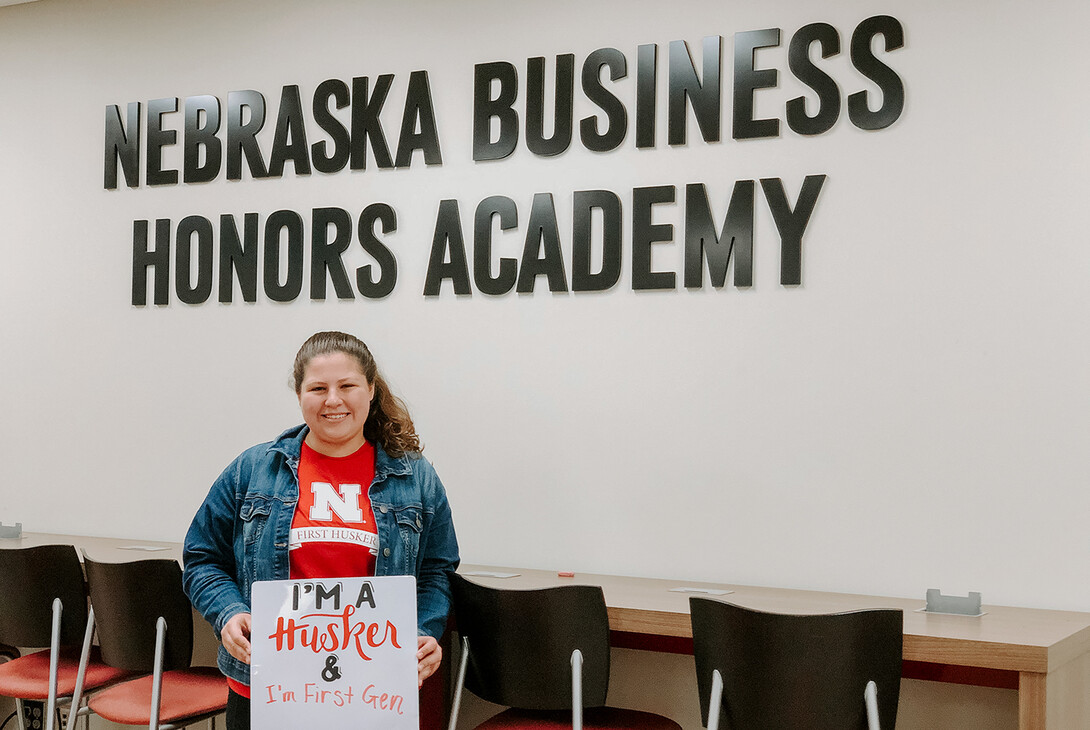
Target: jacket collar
290, 444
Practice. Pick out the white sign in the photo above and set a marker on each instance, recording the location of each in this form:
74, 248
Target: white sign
334, 653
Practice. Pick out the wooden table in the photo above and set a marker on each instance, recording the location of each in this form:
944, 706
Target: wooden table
1043, 654
104, 549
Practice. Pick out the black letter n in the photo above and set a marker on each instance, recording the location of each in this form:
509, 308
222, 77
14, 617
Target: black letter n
121, 146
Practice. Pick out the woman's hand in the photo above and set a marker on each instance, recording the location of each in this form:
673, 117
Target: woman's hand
236, 637
428, 657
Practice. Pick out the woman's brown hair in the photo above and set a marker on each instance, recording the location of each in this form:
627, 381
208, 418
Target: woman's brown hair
388, 422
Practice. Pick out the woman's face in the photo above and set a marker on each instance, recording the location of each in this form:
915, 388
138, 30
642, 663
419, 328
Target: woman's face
335, 398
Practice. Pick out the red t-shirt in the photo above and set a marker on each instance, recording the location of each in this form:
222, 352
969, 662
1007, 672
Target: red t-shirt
333, 533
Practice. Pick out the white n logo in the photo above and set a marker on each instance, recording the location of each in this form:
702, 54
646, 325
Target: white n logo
327, 500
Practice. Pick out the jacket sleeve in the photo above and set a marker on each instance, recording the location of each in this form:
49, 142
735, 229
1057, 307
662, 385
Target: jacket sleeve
438, 556
208, 555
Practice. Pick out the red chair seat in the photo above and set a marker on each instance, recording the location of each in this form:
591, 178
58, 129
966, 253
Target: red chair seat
28, 677
594, 718
186, 693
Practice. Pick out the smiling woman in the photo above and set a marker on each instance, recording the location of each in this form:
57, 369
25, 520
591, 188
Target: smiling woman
346, 494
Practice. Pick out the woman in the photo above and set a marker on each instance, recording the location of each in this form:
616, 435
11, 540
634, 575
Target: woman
262, 513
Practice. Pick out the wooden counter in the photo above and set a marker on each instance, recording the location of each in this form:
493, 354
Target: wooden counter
105, 549
1043, 654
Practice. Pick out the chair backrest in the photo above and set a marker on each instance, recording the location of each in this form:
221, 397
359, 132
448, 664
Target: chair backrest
128, 599
521, 642
791, 671
30, 578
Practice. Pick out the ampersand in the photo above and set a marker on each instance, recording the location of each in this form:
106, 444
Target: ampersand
332, 672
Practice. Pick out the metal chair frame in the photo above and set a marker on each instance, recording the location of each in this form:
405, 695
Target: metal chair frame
159, 664
67, 569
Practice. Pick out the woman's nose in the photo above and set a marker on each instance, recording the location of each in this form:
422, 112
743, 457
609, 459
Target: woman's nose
332, 397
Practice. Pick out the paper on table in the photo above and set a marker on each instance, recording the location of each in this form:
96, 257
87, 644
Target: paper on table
491, 574
702, 591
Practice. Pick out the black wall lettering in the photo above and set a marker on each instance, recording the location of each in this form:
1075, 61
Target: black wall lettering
616, 116
157, 259
242, 136
157, 139
369, 286
798, 58
863, 58
496, 206
447, 238
418, 112
792, 223
122, 147
563, 103
485, 109
645, 234
585, 203
285, 224
326, 252
366, 125
290, 138
704, 97
542, 236
702, 241
336, 91
646, 86
748, 79
238, 256
202, 123
190, 227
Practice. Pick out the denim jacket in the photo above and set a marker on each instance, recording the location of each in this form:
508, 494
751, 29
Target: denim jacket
240, 534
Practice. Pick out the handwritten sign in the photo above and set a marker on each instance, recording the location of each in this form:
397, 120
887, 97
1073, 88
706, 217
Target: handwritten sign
334, 653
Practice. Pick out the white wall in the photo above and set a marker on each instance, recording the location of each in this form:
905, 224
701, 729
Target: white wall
914, 415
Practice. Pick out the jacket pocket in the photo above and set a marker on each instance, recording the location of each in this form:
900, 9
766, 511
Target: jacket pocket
410, 523
255, 517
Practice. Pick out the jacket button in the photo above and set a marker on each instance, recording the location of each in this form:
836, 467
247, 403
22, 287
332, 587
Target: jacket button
419, 523
386, 552
382, 509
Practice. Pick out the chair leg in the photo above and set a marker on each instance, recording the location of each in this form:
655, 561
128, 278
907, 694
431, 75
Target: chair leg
458, 685
81, 673
870, 697
157, 674
54, 658
715, 702
577, 690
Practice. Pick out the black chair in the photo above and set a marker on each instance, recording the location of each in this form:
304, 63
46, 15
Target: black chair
542, 653
145, 624
838, 671
43, 603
